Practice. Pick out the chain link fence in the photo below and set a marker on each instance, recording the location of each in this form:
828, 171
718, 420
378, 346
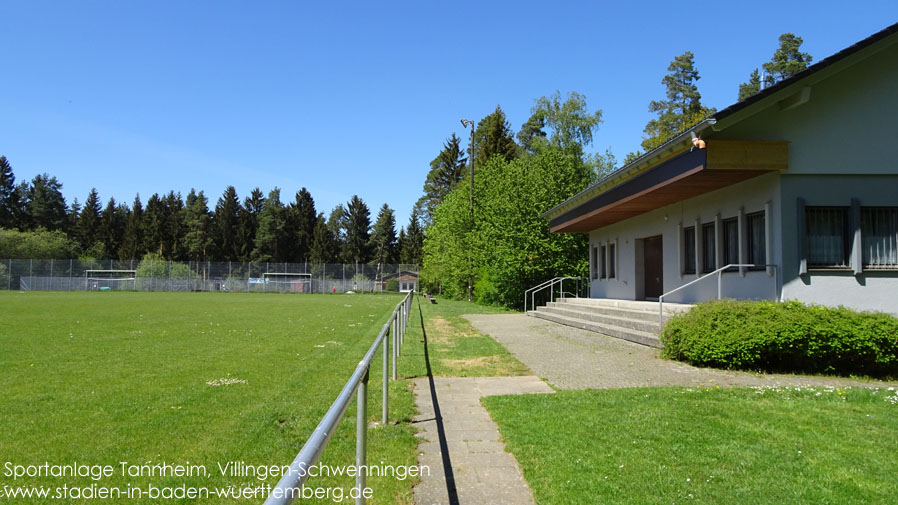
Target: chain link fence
159, 275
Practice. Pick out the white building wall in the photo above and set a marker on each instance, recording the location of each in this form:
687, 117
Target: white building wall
750, 196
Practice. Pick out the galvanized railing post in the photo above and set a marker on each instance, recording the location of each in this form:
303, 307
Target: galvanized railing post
361, 442
386, 377
395, 340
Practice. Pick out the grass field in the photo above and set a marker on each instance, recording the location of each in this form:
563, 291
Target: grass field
704, 445
101, 378
455, 348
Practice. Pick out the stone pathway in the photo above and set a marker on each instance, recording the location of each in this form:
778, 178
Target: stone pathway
461, 444
571, 358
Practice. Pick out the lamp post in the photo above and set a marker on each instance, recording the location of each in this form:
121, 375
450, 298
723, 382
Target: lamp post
466, 123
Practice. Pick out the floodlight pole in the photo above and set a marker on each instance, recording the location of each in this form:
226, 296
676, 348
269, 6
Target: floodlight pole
465, 123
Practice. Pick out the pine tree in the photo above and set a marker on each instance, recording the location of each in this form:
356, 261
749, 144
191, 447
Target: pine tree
45, 204
413, 246
8, 203
300, 227
132, 241
270, 234
154, 225
747, 89
356, 248
383, 237
324, 246
112, 228
197, 223
786, 61
173, 246
681, 109
446, 170
226, 226
88, 229
249, 224
492, 137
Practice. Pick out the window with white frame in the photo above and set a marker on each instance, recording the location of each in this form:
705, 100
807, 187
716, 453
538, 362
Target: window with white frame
688, 250
709, 249
730, 238
756, 235
612, 259
827, 237
879, 235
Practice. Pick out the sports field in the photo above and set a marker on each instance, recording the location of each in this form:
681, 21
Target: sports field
204, 378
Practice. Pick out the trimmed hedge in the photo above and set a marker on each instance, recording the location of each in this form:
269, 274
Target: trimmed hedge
784, 337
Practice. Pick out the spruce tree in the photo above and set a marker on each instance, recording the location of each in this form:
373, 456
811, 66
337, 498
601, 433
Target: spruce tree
88, 228
197, 225
357, 248
45, 204
112, 228
492, 137
226, 226
8, 203
446, 170
383, 237
324, 246
270, 234
132, 241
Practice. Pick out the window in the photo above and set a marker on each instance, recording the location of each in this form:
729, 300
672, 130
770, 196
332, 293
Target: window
730, 237
756, 234
602, 263
689, 250
827, 236
595, 262
879, 234
611, 257
709, 259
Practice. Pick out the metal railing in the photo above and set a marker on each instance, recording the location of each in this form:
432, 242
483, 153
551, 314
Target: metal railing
549, 284
719, 273
289, 487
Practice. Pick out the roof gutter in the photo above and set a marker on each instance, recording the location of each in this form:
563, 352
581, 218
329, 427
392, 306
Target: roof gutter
679, 141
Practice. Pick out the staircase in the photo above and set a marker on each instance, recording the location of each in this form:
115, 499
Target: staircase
635, 321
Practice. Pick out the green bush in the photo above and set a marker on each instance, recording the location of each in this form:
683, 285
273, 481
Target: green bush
393, 285
784, 337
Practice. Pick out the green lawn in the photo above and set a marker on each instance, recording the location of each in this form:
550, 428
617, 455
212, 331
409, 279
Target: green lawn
454, 347
101, 378
705, 445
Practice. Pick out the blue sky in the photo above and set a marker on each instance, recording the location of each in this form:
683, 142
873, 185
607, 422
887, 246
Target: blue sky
350, 98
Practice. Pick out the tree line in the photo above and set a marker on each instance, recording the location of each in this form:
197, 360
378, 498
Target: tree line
36, 222
503, 246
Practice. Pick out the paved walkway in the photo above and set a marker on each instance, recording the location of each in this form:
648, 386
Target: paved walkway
571, 358
461, 445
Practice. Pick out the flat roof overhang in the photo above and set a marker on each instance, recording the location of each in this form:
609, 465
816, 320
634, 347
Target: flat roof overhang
690, 174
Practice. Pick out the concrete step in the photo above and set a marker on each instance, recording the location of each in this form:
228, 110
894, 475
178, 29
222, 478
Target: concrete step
637, 336
627, 304
642, 323
641, 314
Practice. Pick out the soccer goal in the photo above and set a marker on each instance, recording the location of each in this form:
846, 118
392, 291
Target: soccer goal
288, 282
110, 280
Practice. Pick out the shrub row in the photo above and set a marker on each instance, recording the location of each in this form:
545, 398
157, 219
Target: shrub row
784, 337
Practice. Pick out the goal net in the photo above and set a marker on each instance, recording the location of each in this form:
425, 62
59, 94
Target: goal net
288, 282
106, 280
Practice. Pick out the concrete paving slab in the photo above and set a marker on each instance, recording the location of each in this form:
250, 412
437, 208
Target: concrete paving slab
461, 443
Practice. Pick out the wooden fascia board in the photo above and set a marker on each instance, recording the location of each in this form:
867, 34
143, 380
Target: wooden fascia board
747, 155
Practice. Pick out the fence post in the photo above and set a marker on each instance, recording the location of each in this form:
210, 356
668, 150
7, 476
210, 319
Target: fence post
361, 432
9, 276
719, 284
395, 340
386, 383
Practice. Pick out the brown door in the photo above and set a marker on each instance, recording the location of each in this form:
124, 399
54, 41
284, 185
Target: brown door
654, 267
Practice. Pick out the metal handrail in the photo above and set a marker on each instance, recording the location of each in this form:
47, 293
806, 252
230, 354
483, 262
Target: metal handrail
539, 287
289, 487
719, 273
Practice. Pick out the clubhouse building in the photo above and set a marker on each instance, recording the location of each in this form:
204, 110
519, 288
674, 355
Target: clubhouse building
797, 184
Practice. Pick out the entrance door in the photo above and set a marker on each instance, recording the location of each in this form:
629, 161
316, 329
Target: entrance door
653, 259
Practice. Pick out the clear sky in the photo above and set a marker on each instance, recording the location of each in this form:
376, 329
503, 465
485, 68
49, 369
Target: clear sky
350, 98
